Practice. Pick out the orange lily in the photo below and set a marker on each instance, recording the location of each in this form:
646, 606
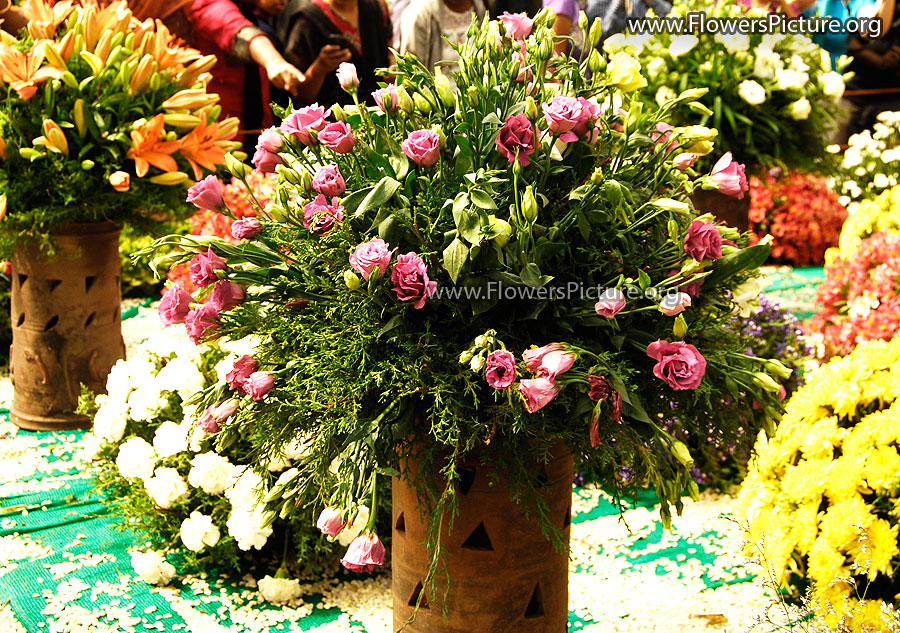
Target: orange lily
200, 149
163, 47
115, 18
149, 147
2, 148
43, 17
54, 139
23, 71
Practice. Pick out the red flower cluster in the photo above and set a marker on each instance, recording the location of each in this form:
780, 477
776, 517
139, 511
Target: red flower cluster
860, 296
800, 211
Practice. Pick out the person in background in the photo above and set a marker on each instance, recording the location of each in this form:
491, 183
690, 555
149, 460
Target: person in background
498, 7
566, 25
836, 43
397, 8
613, 14
13, 20
319, 35
229, 31
429, 27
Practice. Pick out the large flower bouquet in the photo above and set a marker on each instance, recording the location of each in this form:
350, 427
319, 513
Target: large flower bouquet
871, 162
103, 117
771, 97
484, 273
800, 212
821, 496
161, 473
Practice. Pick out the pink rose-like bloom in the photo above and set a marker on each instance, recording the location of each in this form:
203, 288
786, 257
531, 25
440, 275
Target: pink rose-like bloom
685, 160
258, 385
174, 306
703, 241
338, 137
270, 140
662, 134
203, 268
500, 369
226, 295
207, 194
266, 157
246, 228
410, 278
300, 122
516, 138
320, 217
533, 357
241, 371
679, 364
611, 302
207, 423
555, 363
423, 147
370, 256
214, 416
365, 553
391, 93
200, 321
729, 177
328, 181
562, 114
518, 25
674, 303
331, 522
347, 77
590, 114
538, 393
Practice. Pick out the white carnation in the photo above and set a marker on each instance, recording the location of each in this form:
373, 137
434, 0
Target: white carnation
751, 92
224, 366
141, 369
881, 181
145, 402
245, 491
198, 531
246, 346
656, 66
212, 473
165, 487
245, 525
298, 448
118, 386
789, 79
279, 590
797, 63
110, 420
355, 528
682, 45
152, 567
136, 458
181, 376
735, 43
767, 63
800, 109
170, 439
833, 85
91, 445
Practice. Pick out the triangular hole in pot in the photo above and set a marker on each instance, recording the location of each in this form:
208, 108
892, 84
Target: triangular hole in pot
22, 280
479, 540
53, 284
400, 526
415, 597
466, 479
535, 608
567, 521
54, 320
89, 282
90, 319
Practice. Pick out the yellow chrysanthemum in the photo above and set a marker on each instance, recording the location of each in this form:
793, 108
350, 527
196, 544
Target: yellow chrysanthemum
803, 481
844, 477
844, 520
820, 439
882, 470
878, 549
826, 562
806, 524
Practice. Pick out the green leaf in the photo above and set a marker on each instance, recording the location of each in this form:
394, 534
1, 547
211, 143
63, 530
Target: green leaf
730, 265
468, 223
465, 147
492, 119
373, 198
482, 200
395, 321
388, 147
455, 257
584, 226
531, 275
643, 280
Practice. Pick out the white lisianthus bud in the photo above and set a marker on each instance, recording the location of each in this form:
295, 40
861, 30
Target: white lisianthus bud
352, 280
477, 363
465, 357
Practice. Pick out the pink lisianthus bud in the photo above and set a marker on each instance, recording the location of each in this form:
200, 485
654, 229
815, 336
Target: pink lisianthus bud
520, 60
246, 228
674, 303
300, 122
207, 194
203, 268
365, 553
729, 177
538, 393
213, 417
266, 157
200, 321
555, 363
679, 364
370, 256
226, 295
328, 181
392, 96
331, 521
662, 135
611, 302
703, 241
258, 385
338, 137
685, 160
174, 306
518, 25
320, 217
562, 115
347, 77
241, 371
410, 278
533, 357
207, 423
423, 147
515, 142
500, 369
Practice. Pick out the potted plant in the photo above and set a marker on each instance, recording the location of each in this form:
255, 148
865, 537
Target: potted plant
463, 292
104, 120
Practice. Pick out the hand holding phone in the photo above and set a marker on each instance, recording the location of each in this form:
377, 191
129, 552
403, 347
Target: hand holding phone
340, 40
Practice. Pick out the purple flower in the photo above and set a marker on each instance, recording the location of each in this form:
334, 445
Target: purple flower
365, 553
174, 306
611, 302
500, 369
370, 256
246, 228
258, 385
320, 217
679, 364
729, 177
203, 268
423, 147
516, 140
241, 370
338, 137
207, 194
226, 295
562, 115
200, 321
410, 278
301, 122
703, 241
328, 181
331, 521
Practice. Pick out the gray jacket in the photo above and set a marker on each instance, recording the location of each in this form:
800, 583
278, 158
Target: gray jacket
420, 29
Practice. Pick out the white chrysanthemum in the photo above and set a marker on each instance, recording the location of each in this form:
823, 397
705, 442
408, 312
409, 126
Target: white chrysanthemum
800, 109
767, 63
735, 43
170, 439
277, 463
656, 66
789, 79
111, 419
246, 490
212, 473
118, 386
752, 92
852, 157
181, 376
165, 487
798, 63
355, 528
833, 85
145, 403
682, 45
91, 445
198, 531
141, 369
881, 181
136, 458
245, 525
152, 567
665, 94
279, 590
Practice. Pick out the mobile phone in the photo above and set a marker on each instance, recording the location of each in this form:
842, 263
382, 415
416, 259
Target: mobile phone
340, 40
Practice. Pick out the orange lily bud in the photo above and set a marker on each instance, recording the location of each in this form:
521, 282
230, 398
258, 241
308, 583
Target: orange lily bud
171, 178
120, 180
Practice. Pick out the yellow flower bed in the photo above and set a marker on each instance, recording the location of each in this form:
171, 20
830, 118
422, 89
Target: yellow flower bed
879, 214
823, 496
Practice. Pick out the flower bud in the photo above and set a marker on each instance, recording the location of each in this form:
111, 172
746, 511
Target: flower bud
120, 181
501, 230
477, 363
170, 179
443, 87
352, 280
481, 340
680, 327
87, 164
406, 102
668, 204
766, 382
531, 109
289, 175
681, 453
440, 132
595, 34
466, 357
595, 62
529, 204
236, 167
472, 94
778, 368
422, 104
338, 112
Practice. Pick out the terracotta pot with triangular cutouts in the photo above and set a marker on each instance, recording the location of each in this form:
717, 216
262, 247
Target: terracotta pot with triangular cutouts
505, 576
67, 324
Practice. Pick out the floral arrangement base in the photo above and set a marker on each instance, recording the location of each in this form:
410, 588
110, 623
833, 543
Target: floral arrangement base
727, 209
67, 328
505, 574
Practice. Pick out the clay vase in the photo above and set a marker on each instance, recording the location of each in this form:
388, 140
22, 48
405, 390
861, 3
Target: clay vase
505, 576
67, 325
726, 209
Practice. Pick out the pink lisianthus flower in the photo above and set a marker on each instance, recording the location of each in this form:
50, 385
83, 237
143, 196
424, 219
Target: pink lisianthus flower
423, 147
200, 321
331, 521
685, 160
410, 278
207, 194
515, 142
562, 115
392, 97
500, 369
674, 303
320, 217
301, 122
588, 126
679, 364
328, 181
370, 256
246, 228
538, 393
555, 363
266, 157
610, 303
533, 357
703, 241
226, 295
338, 137
241, 370
174, 306
203, 267
214, 416
518, 25
729, 177
662, 134
365, 553
258, 385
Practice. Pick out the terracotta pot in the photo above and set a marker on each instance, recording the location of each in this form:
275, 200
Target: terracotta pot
729, 210
504, 574
67, 325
